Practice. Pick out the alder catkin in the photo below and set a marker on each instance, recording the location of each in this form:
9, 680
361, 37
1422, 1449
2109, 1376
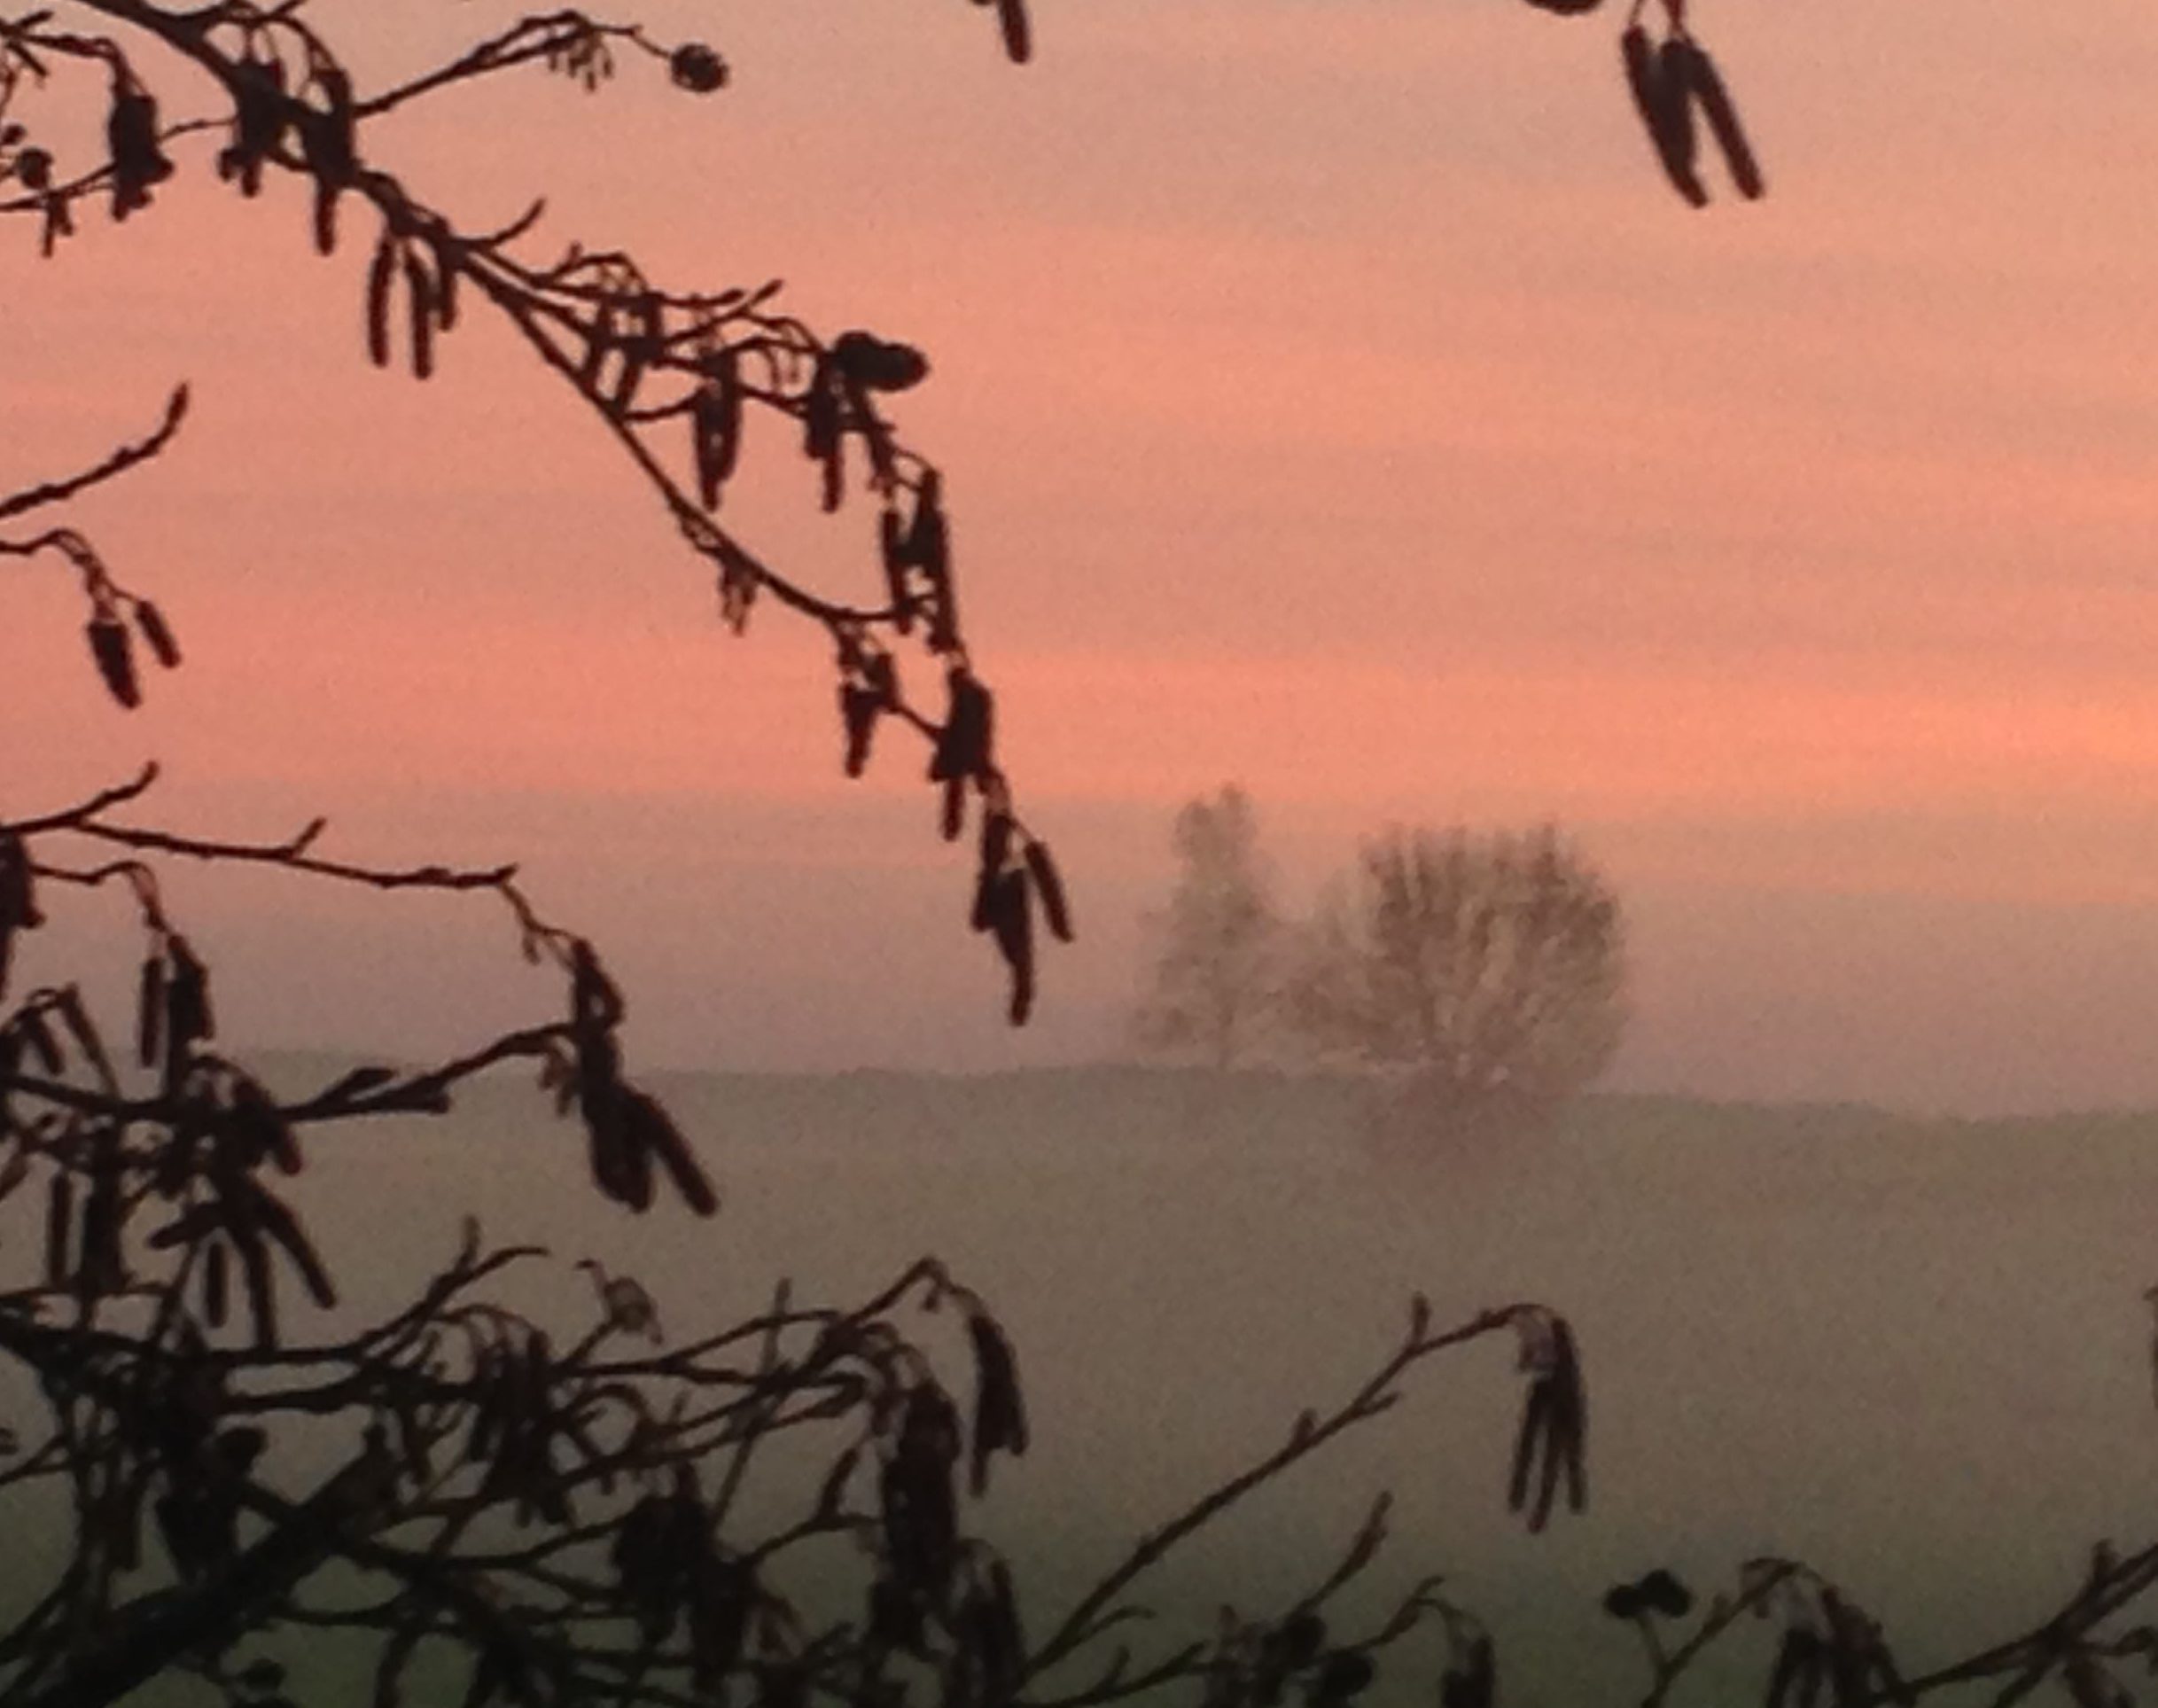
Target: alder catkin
379, 273
158, 634
1534, 1415
1018, 34
59, 1217
859, 707
1049, 887
262, 1286
1706, 86
1663, 112
420, 309
114, 658
445, 285
285, 1227
1011, 918
655, 1130
216, 1284
892, 548
717, 423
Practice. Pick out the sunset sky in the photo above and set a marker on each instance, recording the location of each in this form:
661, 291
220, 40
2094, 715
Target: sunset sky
1334, 399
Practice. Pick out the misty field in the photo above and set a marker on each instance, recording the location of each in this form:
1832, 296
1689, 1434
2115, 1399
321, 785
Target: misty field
1912, 1353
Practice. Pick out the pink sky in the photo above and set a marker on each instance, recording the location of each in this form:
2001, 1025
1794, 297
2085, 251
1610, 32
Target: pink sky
1334, 400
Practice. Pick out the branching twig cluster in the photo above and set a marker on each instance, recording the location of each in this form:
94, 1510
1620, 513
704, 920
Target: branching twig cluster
555, 1519
675, 376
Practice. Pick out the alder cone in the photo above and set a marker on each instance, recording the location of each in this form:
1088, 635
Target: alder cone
878, 364
1661, 1593
696, 67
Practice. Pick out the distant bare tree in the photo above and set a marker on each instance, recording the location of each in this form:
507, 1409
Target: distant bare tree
1214, 987
1493, 968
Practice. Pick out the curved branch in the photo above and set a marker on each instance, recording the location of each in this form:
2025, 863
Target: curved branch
118, 463
1085, 1619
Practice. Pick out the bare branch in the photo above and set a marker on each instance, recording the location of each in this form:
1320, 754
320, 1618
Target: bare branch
118, 463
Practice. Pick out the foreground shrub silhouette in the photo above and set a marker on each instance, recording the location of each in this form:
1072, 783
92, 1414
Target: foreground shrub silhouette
206, 1471
546, 1512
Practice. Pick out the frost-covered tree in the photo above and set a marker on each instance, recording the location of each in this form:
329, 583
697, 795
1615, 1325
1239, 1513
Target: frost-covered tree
1214, 986
1491, 967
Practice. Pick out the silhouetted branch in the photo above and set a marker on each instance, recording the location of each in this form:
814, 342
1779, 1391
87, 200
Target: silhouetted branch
117, 795
553, 36
648, 359
1311, 1432
118, 462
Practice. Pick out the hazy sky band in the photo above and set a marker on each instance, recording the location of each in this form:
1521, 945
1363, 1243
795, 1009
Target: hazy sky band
1334, 400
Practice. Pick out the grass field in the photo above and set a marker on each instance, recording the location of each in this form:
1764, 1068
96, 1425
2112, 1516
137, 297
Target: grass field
1913, 1353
